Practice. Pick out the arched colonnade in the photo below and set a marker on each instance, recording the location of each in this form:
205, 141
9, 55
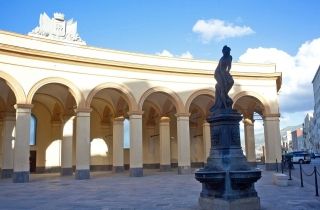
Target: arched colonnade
165, 131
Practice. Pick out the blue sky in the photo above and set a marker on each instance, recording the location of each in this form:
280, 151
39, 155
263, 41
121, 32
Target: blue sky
285, 32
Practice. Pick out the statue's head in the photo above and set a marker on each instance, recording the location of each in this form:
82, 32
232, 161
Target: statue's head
226, 50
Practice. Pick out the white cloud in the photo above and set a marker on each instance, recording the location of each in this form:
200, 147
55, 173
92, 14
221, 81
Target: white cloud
218, 30
186, 55
167, 53
296, 93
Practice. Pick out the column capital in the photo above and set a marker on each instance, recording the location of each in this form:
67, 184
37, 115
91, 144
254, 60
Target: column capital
136, 112
248, 121
164, 119
83, 110
271, 117
23, 106
119, 119
182, 115
205, 123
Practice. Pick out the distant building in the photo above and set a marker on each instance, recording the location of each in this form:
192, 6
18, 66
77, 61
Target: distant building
309, 135
286, 142
316, 92
298, 142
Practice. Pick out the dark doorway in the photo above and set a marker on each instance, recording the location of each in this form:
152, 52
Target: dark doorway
32, 161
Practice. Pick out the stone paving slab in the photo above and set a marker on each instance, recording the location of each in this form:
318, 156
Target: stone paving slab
155, 191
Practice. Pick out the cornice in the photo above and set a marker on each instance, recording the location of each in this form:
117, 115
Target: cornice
124, 65
78, 60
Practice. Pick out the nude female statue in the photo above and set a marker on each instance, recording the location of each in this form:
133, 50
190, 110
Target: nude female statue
224, 81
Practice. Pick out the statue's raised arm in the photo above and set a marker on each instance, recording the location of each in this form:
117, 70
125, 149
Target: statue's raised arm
224, 82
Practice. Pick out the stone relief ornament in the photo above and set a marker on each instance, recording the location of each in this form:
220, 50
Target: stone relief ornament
57, 28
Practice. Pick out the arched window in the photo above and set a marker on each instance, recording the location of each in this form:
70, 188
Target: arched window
33, 130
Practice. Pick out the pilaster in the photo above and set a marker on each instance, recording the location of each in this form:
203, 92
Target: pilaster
250, 140
136, 155
183, 136
83, 144
206, 140
67, 148
8, 138
21, 150
118, 138
272, 141
165, 153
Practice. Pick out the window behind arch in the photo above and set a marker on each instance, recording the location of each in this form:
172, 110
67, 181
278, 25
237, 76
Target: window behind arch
33, 130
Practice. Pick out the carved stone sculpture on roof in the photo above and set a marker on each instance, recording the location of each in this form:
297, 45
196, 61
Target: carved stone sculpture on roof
57, 28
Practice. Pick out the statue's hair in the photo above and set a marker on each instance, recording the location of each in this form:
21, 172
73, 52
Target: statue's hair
226, 48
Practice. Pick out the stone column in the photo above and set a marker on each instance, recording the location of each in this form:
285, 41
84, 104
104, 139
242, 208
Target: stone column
249, 140
272, 141
183, 136
9, 122
206, 140
21, 152
136, 155
118, 138
83, 144
66, 149
165, 154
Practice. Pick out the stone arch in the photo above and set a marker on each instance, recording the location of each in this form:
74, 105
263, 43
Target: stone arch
76, 93
15, 87
124, 89
267, 109
176, 100
196, 94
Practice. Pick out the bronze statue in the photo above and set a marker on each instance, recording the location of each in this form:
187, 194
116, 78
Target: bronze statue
224, 81
227, 178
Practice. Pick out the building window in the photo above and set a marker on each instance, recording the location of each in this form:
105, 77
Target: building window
33, 130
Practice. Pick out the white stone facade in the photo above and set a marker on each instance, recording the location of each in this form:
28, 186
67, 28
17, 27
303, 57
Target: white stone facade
316, 92
81, 94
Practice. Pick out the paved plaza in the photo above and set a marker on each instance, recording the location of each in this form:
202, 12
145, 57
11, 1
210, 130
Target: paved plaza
155, 191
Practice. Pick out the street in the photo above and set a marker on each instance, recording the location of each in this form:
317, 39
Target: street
307, 170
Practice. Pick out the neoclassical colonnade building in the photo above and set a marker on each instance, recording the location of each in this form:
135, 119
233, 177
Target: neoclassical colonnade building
64, 107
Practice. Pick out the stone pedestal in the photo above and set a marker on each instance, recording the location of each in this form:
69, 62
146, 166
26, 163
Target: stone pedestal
280, 179
227, 178
252, 203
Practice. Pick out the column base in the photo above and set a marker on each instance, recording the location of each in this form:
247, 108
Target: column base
252, 203
164, 168
20, 177
82, 174
272, 166
136, 172
6, 173
66, 172
184, 170
118, 169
